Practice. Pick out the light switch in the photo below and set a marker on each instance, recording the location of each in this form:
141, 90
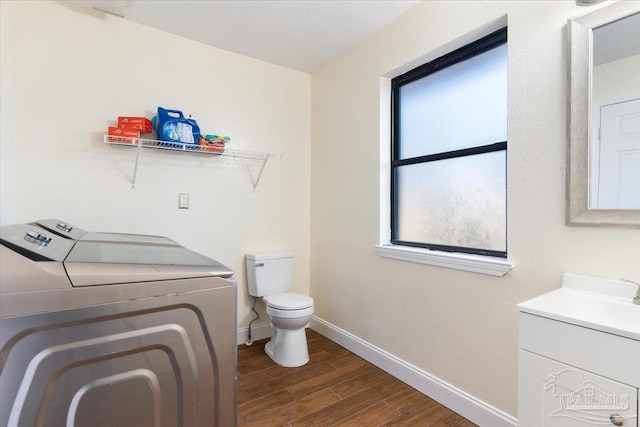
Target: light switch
183, 200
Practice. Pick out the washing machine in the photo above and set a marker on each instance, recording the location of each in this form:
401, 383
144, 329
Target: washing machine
109, 329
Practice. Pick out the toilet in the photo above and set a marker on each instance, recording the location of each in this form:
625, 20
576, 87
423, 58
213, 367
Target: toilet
269, 277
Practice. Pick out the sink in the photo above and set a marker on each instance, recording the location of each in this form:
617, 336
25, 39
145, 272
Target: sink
596, 303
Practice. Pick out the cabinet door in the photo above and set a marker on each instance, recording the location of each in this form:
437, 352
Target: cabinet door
552, 394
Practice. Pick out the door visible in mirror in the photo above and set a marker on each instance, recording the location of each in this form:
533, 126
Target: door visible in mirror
615, 147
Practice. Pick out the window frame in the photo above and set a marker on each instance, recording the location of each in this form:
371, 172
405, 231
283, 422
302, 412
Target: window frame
484, 44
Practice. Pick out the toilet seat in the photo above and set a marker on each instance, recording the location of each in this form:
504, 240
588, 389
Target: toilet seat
288, 301
289, 314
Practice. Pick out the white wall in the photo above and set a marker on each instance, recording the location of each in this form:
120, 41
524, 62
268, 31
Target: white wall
8, 206
616, 78
76, 70
458, 326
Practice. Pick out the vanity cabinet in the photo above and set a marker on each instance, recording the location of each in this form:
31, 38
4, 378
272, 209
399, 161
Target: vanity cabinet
554, 394
579, 357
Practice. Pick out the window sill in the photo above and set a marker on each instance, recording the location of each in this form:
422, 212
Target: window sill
475, 263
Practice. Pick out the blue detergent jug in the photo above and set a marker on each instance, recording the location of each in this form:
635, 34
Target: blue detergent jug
173, 127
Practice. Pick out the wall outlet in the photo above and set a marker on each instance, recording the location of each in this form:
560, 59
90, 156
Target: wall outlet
183, 200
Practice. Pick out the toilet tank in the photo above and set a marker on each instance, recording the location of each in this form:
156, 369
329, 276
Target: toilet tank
269, 273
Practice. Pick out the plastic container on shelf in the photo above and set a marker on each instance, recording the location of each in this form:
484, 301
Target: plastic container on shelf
174, 128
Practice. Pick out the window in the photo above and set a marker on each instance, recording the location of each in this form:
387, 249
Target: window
449, 151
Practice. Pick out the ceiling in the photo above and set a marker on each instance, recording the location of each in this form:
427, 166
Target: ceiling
297, 34
617, 40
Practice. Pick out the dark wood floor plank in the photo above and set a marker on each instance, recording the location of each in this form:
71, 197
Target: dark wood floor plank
347, 407
454, 420
263, 405
317, 345
426, 416
272, 371
296, 409
371, 417
258, 377
346, 360
336, 388
353, 385
282, 382
257, 363
328, 380
410, 400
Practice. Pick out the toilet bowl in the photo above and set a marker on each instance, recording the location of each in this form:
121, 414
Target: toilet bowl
288, 345
269, 276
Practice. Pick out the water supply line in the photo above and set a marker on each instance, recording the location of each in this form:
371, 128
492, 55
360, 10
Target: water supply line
248, 342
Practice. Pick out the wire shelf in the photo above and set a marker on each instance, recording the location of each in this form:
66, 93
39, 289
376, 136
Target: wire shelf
191, 148
213, 150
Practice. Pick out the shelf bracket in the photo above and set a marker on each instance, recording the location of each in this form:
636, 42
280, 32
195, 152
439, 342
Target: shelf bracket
135, 167
257, 180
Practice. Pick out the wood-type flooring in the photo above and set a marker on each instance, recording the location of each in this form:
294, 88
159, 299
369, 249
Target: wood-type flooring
336, 388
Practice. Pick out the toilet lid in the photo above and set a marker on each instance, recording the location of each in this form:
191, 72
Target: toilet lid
289, 301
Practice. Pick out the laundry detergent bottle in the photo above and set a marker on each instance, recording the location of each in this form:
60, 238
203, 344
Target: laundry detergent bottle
173, 127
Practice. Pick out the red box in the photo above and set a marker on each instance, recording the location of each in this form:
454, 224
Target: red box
126, 135
141, 123
216, 148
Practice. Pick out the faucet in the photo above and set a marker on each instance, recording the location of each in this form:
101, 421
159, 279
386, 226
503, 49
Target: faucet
636, 299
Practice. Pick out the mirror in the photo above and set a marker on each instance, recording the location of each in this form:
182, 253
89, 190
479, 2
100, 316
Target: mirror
603, 117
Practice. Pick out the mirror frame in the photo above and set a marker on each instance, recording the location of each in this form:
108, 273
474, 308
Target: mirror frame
579, 118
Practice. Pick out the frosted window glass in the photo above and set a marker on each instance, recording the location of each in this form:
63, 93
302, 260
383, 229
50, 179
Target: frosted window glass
461, 106
454, 202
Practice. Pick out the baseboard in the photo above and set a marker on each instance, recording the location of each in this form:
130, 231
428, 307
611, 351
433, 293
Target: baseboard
453, 398
258, 332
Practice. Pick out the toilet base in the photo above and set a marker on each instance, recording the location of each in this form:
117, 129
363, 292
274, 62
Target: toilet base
288, 348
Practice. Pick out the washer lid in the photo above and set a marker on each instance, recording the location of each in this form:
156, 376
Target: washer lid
105, 263
70, 231
128, 238
289, 301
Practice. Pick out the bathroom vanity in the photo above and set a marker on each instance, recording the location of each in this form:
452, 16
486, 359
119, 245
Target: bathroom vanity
579, 355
